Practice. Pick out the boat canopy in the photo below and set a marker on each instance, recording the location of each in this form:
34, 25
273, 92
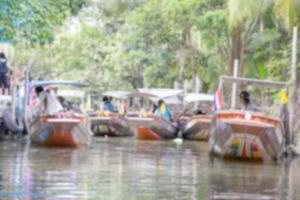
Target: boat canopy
70, 93
161, 93
174, 100
116, 94
261, 83
55, 82
141, 94
198, 97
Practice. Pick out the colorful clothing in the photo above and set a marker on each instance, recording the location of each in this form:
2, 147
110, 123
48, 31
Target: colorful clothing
108, 106
164, 112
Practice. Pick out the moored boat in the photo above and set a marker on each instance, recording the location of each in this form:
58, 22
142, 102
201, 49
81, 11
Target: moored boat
198, 128
152, 128
109, 125
104, 123
199, 124
244, 134
60, 130
65, 128
147, 126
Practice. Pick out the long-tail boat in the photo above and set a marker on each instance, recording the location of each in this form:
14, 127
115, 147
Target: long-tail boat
152, 128
65, 128
247, 134
148, 126
199, 124
105, 123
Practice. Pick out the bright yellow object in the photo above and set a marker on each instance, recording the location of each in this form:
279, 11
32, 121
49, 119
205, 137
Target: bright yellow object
88, 106
101, 113
162, 108
283, 97
256, 154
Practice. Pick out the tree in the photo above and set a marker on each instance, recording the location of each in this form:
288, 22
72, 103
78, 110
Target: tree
34, 21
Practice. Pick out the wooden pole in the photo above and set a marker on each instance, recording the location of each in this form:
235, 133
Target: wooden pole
293, 94
26, 100
176, 85
26, 88
13, 94
185, 86
197, 90
234, 89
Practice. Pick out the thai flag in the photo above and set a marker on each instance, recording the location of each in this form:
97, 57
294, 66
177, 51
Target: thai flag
218, 102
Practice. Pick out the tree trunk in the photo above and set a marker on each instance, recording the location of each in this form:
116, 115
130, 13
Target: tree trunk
237, 50
183, 53
294, 104
261, 24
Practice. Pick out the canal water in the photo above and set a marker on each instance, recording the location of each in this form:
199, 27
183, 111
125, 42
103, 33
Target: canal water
126, 169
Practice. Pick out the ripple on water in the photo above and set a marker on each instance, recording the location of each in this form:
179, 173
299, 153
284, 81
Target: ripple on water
122, 168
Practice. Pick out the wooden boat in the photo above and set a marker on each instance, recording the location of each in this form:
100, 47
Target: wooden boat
149, 126
245, 134
199, 125
110, 126
60, 130
198, 128
152, 128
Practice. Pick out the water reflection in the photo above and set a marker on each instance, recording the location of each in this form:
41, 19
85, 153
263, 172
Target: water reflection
123, 168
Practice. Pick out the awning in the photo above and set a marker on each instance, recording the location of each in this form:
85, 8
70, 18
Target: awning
57, 83
161, 92
116, 94
257, 82
198, 97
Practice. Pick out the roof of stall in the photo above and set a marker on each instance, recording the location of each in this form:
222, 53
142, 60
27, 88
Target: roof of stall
257, 82
198, 97
57, 83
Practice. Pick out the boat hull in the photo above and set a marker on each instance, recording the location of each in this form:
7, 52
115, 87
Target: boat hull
248, 136
198, 128
110, 126
148, 128
54, 131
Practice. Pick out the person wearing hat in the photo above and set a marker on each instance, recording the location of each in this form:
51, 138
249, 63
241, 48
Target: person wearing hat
246, 102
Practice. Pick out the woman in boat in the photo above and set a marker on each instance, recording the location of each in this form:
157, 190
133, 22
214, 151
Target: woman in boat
245, 100
49, 103
163, 111
107, 105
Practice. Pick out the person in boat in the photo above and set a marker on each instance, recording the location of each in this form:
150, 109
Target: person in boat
163, 111
198, 112
49, 104
247, 104
154, 107
122, 107
64, 103
107, 105
3, 71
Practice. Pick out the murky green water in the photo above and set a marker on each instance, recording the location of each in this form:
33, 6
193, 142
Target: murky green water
125, 169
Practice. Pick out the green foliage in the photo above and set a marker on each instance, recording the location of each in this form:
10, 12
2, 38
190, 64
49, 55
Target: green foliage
125, 44
34, 21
